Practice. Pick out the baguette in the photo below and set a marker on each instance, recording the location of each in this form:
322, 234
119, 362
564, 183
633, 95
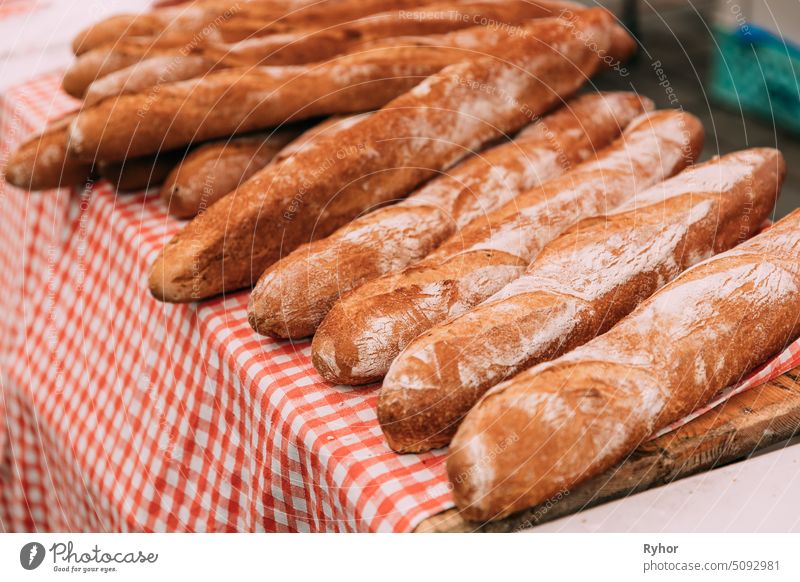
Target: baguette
308, 46
240, 100
44, 161
302, 46
367, 328
229, 21
580, 285
212, 170
378, 159
215, 169
243, 100
564, 421
158, 70
294, 295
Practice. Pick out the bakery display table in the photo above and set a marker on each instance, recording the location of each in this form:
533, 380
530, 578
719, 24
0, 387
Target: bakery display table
122, 413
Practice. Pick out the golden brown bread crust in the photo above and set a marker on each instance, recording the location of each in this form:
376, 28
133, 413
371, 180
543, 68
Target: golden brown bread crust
367, 328
44, 161
327, 127
309, 45
230, 20
196, 22
146, 76
179, 62
377, 160
294, 295
215, 169
564, 421
212, 170
233, 101
239, 100
258, 47
580, 285
103, 61
169, 26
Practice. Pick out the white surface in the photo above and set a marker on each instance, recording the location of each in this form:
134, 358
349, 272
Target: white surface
38, 41
756, 495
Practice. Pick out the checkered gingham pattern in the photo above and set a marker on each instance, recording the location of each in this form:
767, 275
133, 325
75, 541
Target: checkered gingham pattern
122, 413
15, 7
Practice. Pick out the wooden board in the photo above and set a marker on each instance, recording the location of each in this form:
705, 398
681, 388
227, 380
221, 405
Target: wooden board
734, 430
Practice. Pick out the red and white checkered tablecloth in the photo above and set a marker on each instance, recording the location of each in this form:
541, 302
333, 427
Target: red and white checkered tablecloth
121, 413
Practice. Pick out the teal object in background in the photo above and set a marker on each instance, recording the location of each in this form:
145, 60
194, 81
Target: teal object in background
759, 73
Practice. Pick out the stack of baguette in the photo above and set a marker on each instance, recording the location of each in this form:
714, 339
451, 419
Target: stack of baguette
541, 280
199, 97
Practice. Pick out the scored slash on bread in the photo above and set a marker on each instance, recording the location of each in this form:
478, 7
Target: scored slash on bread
564, 421
367, 328
294, 295
382, 157
580, 285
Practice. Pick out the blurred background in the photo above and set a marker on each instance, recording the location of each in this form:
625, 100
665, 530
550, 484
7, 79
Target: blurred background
734, 63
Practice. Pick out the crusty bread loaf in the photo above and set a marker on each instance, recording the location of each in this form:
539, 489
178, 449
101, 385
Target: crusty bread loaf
380, 158
312, 45
239, 100
306, 46
367, 328
559, 423
302, 46
580, 285
294, 294
44, 161
212, 170
229, 20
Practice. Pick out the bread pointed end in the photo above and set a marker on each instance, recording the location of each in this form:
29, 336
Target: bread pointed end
169, 283
340, 350
262, 318
409, 421
19, 170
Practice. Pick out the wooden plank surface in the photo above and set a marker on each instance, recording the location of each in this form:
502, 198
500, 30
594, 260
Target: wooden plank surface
734, 430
